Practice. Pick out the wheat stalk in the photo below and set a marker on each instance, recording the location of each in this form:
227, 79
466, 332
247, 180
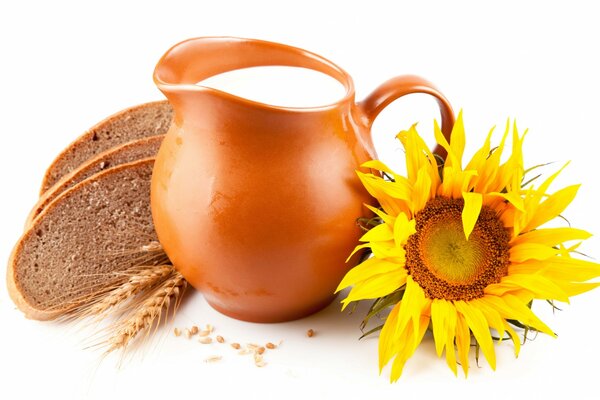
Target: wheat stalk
141, 279
148, 311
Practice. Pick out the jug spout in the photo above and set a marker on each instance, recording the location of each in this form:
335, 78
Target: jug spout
182, 67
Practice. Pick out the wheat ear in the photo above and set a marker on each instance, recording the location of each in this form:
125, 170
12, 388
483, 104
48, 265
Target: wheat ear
149, 311
142, 278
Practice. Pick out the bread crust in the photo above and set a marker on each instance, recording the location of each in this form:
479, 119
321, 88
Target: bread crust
14, 289
15, 293
67, 181
49, 177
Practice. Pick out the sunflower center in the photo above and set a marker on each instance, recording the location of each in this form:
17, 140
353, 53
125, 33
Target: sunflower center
447, 265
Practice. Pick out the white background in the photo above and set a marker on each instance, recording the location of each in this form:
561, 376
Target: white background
66, 65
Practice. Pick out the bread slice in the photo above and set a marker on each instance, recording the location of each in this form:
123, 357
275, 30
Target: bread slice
99, 226
137, 122
125, 153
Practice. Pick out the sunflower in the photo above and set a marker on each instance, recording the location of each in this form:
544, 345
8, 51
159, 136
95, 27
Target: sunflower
463, 250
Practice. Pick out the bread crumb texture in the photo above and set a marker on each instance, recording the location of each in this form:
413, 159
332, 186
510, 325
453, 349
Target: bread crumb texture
83, 237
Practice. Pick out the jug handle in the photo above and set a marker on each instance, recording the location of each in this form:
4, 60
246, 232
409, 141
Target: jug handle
402, 85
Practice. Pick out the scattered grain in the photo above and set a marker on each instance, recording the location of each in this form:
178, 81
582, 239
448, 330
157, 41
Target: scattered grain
205, 340
310, 333
203, 333
260, 350
213, 359
177, 332
220, 339
270, 346
188, 333
194, 330
258, 360
235, 346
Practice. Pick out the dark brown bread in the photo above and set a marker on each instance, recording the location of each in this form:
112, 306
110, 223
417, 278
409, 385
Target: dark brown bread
137, 122
125, 153
99, 226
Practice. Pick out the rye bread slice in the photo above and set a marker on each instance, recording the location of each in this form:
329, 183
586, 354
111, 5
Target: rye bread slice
133, 123
125, 153
97, 227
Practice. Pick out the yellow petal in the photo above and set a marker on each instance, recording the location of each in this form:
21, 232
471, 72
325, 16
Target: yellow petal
491, 315
573, 289
457, 142
413, 302
531, 251
405, 351
480, 157
540, 192
510, 174
419, 156
510, 307
451, 160
443, 319
376, 286
480, 328
403, 228
457, 138
451, 317
514, 337
541, 287
367, 269
551, 236
386, 218
439, 314
471, 210
357, 249
499, 289
388, 250
552, 207
384, 193
378, 165
388, 340
527, 267
379, 233
488, 174
422, 191
571, 269
513, 198
463, 342
456, 182
413, 156
400, 188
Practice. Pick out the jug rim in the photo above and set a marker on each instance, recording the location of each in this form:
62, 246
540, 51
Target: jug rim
172, 75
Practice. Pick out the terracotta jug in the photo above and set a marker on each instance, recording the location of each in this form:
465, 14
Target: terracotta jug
255, 204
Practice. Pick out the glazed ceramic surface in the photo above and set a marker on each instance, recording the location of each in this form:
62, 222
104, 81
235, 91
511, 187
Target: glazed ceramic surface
256, 205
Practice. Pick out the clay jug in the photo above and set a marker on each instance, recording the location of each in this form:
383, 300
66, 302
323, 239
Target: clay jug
255, 204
